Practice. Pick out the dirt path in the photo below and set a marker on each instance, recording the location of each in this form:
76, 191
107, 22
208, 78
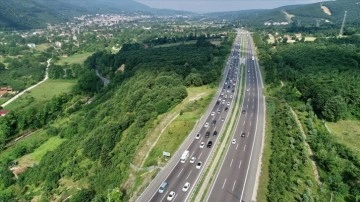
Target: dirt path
31, 87
316, 173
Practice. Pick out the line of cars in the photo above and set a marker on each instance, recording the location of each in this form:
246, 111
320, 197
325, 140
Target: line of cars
222, 105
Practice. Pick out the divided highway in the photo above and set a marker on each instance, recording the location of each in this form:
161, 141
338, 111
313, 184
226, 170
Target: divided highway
176, 174
235, 181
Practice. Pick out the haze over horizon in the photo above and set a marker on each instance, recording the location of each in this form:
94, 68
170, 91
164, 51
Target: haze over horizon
205, 6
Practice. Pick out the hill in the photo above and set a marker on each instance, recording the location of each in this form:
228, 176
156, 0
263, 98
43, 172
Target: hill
30, 14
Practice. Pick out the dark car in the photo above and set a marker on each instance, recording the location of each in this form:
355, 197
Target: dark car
226, 108
209, 144
213, 122
215, 133
207, 134
217, 102
243, 111
242, 134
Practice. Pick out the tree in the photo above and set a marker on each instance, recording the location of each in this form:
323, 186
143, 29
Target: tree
334, 109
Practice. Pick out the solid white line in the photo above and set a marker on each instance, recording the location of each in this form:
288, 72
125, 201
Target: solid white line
224, 184
199, 155
231, 162
240, 164
234, 185
189, 174
244, 147
180, 172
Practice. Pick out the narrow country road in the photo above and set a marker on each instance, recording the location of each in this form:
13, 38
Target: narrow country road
103, 79
31, 87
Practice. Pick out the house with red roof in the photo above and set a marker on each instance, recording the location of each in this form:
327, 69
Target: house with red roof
3, 112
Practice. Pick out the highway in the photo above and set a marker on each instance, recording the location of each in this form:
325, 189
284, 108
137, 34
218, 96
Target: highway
176, 174
235, 181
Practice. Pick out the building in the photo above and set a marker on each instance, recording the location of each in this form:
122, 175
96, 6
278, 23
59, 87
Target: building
5, 90
3, 112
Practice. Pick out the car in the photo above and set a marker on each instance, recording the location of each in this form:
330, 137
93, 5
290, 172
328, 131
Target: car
163, 187
215, 133
243, 111
243, 135
213, 122
223, 102
233, 141
222, 94
233, 91
206, 124
197, 136
186, 186
228, 103
202, 144
212, 113
222, 119
248, 71
226, 108
192, 159
218, 110
225, 96
171, 196
247, 90
207, 134
231, 96
217, 102
198, 165
209, 144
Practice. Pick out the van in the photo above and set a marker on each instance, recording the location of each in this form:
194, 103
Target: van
163, 187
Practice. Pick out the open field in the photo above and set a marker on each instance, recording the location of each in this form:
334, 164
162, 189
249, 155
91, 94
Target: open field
42, 47
74, 59
347, 132
43, 92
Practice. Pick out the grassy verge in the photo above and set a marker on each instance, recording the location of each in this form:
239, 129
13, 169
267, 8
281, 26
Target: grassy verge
347, 132
43, 92
42, 47
74, 59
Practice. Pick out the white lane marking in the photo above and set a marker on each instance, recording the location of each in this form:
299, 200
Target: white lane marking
244, 123
231, 162
244, 147
200, 155
237, 146
175, 197
180, 172
234, 186
189, 174
167, 193
224, 184
247, 106
240, 164
250, 123
248, 99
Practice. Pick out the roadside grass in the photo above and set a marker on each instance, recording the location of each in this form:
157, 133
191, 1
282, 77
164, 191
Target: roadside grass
74, 59
265, 161
3, 100
347, 132
42, 47
191, 110
43, 92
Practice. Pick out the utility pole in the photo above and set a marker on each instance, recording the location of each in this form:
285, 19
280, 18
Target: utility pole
342, 25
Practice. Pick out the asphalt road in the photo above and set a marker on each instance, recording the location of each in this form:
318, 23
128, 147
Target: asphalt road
177, 173
235, 181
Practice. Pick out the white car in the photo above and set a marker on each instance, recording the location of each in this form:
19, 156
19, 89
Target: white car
186, 187
223, 102
192, 159
198, 165
231, 96
206, 125
197, 136
233, 141
248, 89
228, 103
171, 196
202, 144
212, 113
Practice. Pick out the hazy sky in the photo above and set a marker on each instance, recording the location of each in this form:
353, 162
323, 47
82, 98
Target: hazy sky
203, 6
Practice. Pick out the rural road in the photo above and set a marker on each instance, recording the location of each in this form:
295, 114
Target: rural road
31, 87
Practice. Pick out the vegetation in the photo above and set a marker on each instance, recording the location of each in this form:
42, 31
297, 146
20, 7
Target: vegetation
320, 82
103, 135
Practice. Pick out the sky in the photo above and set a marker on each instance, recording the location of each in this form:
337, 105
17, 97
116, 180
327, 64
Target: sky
204, 6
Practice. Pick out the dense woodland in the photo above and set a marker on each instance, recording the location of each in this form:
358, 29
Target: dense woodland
103, 135
321, 80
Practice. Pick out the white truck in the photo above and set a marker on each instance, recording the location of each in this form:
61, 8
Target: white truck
184, 156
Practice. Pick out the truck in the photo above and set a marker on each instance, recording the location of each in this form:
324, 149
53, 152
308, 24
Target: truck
184, 156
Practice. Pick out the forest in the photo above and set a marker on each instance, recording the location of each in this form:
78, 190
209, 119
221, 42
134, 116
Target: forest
102, 135
320, 80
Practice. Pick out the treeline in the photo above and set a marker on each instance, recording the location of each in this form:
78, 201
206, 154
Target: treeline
325, 73
104, 134
176, 39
